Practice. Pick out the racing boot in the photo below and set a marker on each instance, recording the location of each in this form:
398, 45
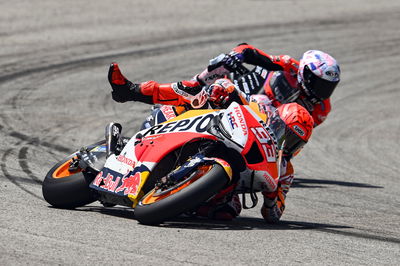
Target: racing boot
123, 90
225, 208
273, 207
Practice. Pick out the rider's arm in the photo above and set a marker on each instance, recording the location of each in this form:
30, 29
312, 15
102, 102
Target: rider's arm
257, 57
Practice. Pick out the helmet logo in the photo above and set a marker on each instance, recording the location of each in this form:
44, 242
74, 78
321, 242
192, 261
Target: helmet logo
332, 74
299, 130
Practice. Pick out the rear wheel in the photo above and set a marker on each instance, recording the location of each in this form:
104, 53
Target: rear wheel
66, 188
159, 205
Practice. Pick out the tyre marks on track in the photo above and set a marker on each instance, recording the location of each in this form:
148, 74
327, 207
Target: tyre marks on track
23, 162
16, 180
35, 141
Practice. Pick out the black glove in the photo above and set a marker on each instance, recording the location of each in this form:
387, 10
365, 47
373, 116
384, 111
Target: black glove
230, 62
233, 61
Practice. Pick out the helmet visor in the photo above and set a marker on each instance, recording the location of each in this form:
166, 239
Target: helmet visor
293, 142
318, 87
278, 128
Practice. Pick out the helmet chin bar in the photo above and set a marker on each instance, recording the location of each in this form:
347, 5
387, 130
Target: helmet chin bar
310, 97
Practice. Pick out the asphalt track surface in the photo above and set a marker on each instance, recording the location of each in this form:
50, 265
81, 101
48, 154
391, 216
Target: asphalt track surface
54, 56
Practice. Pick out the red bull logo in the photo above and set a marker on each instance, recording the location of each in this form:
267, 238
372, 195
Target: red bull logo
109, 183
98, 179
129, 185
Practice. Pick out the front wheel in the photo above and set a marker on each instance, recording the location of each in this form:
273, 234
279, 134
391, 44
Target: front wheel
158, 206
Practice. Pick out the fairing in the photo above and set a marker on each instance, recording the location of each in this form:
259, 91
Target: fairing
125, 174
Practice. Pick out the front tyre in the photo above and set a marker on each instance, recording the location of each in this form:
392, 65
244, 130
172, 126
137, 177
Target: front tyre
156, 207
67, 189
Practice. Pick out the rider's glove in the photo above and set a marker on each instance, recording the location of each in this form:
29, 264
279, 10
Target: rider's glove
219, 91
274, 205
122, 89
219, 67
232, 61
229, 61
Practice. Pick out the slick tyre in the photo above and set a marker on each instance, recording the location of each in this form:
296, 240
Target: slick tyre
65, 189
155, 208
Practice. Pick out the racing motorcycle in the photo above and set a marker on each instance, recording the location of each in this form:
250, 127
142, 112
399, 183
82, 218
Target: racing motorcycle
171, 167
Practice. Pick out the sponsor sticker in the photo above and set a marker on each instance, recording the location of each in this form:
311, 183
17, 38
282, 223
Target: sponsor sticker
299, 130
197, 124
126, 160
232, 120
168, 112
241, 119
128, 184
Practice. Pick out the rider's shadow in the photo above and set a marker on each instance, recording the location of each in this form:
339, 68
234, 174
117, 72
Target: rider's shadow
319, 183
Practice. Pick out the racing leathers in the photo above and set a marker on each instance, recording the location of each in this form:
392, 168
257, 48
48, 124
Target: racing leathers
275, 76
274, 202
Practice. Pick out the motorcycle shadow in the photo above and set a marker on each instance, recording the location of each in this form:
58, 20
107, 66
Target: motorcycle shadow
244, 223
200, 223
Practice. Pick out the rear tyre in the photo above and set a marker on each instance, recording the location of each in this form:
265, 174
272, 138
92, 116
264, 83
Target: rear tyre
155, 208
65, 189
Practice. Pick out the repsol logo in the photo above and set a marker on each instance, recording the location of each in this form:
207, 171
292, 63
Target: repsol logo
198, 124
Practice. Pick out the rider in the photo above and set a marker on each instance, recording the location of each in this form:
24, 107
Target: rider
293, 125
309, 82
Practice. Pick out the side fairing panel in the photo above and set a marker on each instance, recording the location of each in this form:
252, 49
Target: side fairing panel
124, 175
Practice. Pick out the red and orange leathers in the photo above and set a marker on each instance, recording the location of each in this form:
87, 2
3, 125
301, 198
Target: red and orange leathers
171, 94
274, 202
289, 67
166, 94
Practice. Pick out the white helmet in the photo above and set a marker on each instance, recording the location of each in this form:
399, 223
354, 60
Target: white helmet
319, 73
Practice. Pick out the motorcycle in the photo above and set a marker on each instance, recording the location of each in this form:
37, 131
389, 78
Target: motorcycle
171, 167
